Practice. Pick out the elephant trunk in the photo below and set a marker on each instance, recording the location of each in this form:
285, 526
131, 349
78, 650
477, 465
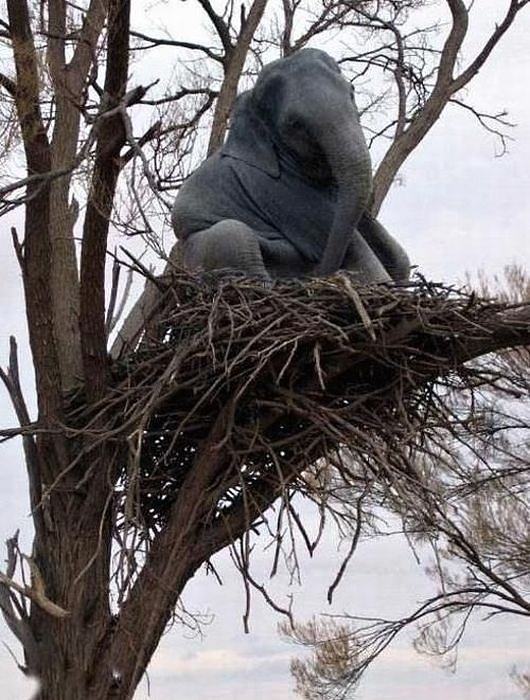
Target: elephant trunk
349, 160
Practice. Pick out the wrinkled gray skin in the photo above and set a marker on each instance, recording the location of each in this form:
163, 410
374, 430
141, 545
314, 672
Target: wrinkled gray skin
286, 195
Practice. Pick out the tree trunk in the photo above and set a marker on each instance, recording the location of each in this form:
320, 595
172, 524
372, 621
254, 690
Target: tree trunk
73, 557
71, 554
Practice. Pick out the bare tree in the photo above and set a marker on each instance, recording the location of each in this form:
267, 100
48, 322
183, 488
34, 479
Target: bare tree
334, 648
140, 469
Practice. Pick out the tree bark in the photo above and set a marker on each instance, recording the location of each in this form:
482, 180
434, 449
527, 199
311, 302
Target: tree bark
69, 82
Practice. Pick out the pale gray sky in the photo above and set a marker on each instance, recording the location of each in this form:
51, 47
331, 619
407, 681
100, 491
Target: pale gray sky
459, 208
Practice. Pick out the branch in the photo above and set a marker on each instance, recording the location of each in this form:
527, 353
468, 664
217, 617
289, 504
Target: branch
11, 380
512, 330
486, 121
85, 51
56, 42
183, 92
37, 257
113, 314
42, 179
326, 20
446, 85
157, 41
452, 45
220, 26
69, 92
28, 97
14, 612
9, 85
474, 67
235, 61
111, 138
36, 593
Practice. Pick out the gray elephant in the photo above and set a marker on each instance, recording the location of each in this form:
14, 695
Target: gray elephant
286, 195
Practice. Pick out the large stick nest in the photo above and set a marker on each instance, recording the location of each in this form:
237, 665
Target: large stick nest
286, 375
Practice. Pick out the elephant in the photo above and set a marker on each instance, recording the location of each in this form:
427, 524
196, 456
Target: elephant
287, 193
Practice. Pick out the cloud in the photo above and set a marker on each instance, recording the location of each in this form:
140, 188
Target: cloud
213, 661
408, 658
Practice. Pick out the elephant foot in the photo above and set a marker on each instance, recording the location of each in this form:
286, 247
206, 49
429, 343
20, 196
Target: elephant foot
361, 279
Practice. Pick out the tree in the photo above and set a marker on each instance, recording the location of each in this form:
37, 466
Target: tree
122, 458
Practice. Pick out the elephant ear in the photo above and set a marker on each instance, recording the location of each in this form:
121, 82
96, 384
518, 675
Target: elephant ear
249, 139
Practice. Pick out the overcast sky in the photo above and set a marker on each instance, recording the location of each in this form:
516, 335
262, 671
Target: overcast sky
458, 208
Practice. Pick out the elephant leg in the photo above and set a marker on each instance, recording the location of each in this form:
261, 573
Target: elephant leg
281, 258
227, 245
361, 260
393, 257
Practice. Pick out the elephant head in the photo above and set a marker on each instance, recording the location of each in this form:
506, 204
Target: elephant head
301, 107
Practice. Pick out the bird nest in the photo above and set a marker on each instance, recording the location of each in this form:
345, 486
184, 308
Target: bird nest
273, 381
